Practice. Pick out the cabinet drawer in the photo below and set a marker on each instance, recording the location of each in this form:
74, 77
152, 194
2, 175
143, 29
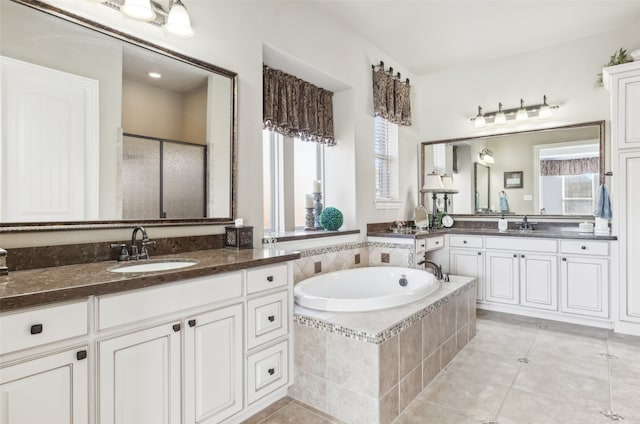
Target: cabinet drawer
267, 318
522, 243
35, 327
465, 241
259, 279
267, 371
584, 247
437, 242
129, 307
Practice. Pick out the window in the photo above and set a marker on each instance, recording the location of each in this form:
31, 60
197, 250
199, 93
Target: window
386, 165
578, 194
290, 166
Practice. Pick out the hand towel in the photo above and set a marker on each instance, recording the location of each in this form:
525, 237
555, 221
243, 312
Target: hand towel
603, 203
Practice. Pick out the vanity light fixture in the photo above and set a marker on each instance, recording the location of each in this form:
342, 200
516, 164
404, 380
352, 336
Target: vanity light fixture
173, 17
519, 114
486, 155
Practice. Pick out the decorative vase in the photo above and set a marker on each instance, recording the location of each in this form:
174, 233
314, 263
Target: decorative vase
331, 218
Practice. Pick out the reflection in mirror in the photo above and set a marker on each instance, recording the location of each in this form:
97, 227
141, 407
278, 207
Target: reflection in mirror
482, 185
558, 170
96, 128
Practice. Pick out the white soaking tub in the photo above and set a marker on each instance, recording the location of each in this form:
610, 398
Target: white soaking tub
364, 289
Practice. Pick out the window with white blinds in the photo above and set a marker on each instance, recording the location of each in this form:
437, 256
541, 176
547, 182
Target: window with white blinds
439, 161
386, 165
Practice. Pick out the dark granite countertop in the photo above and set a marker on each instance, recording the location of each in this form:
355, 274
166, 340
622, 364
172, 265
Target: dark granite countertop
542, 233
41, 286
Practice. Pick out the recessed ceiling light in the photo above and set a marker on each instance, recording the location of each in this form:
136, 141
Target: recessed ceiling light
155, 75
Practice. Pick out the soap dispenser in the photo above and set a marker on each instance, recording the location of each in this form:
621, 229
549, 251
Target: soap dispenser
502, 224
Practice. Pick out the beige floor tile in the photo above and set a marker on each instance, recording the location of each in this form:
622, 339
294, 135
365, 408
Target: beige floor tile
504, 339
268, 411
563, 385
465, 393
526, 408
295, 414
623, 346
485, 365
425, 413
625, 388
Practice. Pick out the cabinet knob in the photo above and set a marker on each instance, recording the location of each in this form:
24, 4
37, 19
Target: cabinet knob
464, 242
437, 242
192, 323
176, 327
564, 259
36, 329
80, 355
270, 278
515, 256
583, 247
422, 245
522, 256
479, 253
271, 318
271, 371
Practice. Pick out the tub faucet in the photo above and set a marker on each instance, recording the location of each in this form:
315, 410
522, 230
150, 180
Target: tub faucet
437, 270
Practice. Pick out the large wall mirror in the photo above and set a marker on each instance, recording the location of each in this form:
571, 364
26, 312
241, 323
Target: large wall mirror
553, 171
99, 126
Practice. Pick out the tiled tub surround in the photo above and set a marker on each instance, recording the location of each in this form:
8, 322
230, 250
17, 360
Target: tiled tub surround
366, 367
338, 257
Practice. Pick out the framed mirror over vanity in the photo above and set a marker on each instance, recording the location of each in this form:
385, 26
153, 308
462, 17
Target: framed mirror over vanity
101, 127
551, 171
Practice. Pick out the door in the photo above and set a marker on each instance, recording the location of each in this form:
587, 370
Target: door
585, 286
50, 170
139, 376
52, 389
469, 263
539, 281
213, 365
502, 280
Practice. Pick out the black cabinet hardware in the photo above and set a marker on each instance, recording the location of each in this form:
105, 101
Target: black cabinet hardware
36, 329
80, 355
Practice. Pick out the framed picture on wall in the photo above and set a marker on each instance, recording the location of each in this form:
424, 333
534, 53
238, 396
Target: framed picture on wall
513, 179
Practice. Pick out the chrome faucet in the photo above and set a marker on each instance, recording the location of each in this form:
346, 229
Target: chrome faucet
525, 225
437, 270
135, 254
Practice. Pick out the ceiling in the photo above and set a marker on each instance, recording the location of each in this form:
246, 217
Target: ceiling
430, 36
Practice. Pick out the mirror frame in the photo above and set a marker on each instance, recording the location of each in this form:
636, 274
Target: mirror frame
599, 124
101, 224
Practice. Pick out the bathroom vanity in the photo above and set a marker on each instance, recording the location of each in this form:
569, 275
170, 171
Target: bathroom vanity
208, 343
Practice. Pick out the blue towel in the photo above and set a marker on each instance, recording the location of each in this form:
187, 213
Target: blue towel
603, 203
504, 206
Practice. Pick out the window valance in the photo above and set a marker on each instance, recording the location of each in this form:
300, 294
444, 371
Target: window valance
294, 107
391, 96
549, 167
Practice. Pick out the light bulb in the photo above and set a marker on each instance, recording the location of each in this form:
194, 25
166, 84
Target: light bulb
545, 111
479, 121
500, 118
522, 114
139, 10
178, 22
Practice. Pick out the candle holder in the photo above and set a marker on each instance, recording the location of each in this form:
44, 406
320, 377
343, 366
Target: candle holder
317, 206
309, 220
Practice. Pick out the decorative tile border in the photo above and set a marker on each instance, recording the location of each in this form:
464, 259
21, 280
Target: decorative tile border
390, 245
388, 333
333, 249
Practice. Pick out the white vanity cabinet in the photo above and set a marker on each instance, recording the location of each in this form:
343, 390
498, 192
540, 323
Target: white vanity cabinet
44, 365
623, 83
539, 281
466, 257
503, 274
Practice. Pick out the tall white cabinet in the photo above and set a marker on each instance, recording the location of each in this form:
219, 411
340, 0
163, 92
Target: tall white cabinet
623, 83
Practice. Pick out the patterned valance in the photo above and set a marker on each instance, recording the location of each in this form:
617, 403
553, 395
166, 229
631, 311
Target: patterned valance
391, 96
570, 166
294, 107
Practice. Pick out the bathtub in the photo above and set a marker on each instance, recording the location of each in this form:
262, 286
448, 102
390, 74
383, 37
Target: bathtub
364, 289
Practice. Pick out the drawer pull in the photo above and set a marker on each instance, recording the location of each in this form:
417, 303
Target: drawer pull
176, 327
81, 355
422, 245
515, 256
271, 318
36, 329
583, 247
464, 242
271, 371
270, 278
437, 242
479, 253
564, 259
522, 256
192, 323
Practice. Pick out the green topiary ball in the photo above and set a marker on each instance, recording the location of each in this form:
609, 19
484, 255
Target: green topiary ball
331, 218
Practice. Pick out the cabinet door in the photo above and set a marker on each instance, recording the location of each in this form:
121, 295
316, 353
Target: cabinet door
539, 281
139, 375
628, 207
468, 263
213, 365
502, 279
52, 389
627, 125
585, 286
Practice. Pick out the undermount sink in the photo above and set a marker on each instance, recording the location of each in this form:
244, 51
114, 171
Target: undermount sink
157, 265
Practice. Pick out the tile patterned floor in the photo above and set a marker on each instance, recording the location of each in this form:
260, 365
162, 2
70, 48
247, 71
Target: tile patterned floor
518, 370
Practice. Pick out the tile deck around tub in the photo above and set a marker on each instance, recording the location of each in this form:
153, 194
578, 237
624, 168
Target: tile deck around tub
381, 325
